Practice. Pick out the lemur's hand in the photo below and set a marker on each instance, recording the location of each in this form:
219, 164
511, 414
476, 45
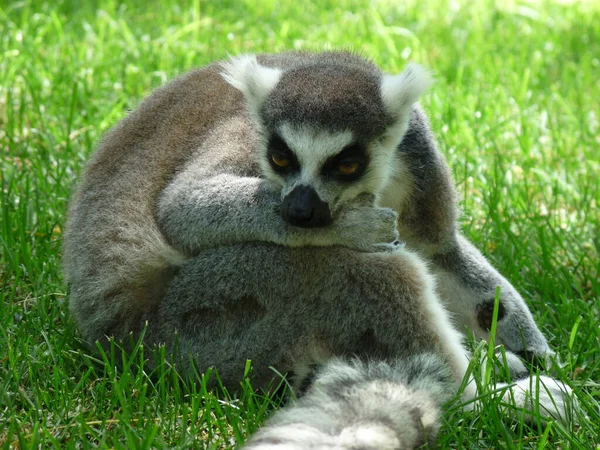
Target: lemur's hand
362, 226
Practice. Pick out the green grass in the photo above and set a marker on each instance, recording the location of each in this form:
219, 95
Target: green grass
516, 110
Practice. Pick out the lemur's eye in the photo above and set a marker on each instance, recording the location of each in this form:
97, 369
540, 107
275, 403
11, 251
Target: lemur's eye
281, 157
281, 161
348, 168
348, 165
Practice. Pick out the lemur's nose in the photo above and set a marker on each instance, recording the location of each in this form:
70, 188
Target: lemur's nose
304, 208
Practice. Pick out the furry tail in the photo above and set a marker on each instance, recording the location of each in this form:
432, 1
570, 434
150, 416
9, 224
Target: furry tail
364, 405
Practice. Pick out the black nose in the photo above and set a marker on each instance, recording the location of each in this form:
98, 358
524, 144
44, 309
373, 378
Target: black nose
304, 208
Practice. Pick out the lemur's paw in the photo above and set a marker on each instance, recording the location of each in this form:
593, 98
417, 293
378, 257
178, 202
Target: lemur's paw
541, 398
514, 364
368, 228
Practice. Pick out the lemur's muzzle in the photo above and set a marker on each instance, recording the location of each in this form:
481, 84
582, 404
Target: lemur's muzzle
303, 207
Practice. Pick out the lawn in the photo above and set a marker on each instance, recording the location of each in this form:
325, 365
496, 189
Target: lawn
516, 109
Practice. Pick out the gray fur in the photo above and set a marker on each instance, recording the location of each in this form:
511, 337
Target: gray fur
292, 308
342, 98
176, 227
364, 405
466, 280
391, 406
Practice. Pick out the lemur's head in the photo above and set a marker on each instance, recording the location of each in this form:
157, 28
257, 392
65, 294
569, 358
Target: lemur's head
329, 127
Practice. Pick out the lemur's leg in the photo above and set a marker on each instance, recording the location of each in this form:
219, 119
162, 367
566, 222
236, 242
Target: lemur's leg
423, 193
310, 311
386, 353
292, 309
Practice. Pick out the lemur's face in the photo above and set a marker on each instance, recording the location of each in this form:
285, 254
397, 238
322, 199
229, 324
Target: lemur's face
330, 128
320, 170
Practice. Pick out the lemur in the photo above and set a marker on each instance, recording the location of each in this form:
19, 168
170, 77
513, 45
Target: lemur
252, 210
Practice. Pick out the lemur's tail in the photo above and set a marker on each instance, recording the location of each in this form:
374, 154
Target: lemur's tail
364, 405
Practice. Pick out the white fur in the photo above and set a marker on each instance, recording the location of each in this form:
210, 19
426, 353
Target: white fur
398, 187
313, 147
399, 92
253, 80
543, 395
370, 435
382, 166
450, 338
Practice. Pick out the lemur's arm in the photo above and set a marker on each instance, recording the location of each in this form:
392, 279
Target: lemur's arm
428, 222
199, 210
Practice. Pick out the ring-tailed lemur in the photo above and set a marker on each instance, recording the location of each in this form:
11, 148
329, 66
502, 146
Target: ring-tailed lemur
249, 210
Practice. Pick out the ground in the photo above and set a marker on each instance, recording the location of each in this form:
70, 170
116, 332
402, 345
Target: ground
515, 109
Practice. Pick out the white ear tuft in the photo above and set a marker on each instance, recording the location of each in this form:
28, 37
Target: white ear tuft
253, 80
400, 91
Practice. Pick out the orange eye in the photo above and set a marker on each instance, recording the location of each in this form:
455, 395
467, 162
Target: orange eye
281, 161
348, 168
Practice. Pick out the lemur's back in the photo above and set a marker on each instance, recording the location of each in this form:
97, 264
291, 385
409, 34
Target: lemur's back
114, 252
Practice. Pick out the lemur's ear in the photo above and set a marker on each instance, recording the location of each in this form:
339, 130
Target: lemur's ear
253, 80
400, 91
